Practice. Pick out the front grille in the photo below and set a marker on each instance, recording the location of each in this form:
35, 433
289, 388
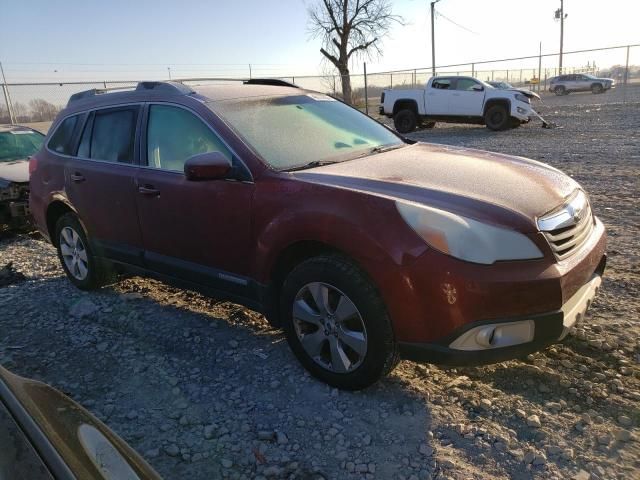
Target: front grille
569, 227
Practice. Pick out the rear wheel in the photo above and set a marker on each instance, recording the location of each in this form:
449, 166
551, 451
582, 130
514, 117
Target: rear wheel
83, 269
405, 121
497, 118
336, 323
596, 88
560, 90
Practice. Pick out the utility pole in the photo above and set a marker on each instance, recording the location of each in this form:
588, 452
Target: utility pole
539, 67
169, 70
7, 96
560, 15
433, 39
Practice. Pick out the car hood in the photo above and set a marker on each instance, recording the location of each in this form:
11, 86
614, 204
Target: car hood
527, 93
17, 171
500, 189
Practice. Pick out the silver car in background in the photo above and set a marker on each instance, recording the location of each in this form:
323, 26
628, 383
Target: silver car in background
579, 82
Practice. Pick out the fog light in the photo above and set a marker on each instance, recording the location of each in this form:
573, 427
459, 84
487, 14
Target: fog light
495, 335
486, 336
521, 110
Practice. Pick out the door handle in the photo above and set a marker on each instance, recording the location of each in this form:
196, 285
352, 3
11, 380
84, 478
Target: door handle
148, 190
77, 177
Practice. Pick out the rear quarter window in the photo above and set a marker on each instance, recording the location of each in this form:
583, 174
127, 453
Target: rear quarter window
62, 139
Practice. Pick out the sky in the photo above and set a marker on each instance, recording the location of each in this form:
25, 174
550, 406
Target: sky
62, 40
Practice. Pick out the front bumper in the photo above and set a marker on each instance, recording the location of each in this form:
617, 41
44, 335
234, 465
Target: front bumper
523, 112
491, 341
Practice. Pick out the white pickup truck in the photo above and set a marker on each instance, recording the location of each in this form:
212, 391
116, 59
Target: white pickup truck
457, 100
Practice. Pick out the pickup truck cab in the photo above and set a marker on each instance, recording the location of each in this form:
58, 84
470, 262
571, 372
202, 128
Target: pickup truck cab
457, 100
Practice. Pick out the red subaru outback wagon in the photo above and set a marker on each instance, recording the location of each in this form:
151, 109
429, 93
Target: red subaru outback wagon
363, 246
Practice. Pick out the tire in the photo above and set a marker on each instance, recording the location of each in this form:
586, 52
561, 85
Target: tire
497, 118
597, 88
428, 125
405, 121
349, 307
560, 90
76, 256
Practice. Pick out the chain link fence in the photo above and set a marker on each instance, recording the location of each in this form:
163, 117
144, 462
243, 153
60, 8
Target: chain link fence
40, 102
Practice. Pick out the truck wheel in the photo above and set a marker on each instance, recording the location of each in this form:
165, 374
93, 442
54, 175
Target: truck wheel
428, 124
559, 90
405, 121
497, 118
596, 88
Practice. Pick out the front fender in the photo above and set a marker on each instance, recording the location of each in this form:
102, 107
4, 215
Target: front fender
366, 228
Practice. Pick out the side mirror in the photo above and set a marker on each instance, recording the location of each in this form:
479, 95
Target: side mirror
207, 166
477, 88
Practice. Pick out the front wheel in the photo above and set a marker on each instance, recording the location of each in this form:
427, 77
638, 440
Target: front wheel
336, 323
83, 269
596, 88
497, 118
405, 121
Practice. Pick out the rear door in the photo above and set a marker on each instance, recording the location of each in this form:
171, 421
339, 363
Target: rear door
100, 182
572, 82
465, 101
196, 230
438, 96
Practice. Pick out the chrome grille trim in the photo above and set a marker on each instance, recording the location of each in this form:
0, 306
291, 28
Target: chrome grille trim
568, 227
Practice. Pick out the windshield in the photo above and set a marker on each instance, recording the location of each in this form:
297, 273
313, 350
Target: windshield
296, 130
592, 77
19, 144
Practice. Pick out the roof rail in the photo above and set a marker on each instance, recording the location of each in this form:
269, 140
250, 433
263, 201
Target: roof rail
274, 82
174, 88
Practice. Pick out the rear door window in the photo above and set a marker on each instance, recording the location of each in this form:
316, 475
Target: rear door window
109, 135
441, 83
62, 139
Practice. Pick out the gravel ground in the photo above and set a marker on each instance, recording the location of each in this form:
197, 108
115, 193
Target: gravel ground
205, 389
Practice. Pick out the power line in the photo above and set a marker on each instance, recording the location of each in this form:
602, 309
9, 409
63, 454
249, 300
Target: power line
455, 23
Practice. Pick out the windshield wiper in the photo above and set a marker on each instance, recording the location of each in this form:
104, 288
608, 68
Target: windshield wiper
315, 163
381, 149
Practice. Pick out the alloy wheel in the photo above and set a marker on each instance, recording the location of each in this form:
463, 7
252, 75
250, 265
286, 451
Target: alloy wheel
329, 327
74, 253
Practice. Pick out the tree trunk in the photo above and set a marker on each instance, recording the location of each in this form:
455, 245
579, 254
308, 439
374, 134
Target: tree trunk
346, 86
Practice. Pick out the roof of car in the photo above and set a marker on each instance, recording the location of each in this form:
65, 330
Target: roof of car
149, 91
237, 91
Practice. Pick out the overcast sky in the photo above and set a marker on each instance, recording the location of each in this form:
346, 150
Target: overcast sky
67, 39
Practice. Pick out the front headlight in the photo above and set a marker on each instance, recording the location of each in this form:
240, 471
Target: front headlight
522, 98
465, 238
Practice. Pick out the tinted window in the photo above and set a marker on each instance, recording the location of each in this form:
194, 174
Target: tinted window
62, 138
466, 84
112, 135
174, 135
441, 83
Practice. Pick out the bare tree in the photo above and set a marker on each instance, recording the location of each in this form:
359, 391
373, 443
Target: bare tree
42, 111
350, 27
